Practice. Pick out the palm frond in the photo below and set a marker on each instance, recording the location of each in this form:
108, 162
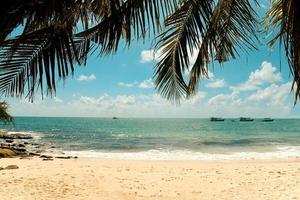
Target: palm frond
131, 19
49, 45
284, 16
183, 32
232, 27
37, 58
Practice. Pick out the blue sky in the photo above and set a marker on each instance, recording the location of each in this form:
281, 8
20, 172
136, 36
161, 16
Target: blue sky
121, 85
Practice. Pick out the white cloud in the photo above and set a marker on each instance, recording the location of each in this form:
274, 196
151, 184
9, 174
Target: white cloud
266, 74
218, 83
149, 56
129, 85
86, 78
272, 95
146, 84
225, 99
57, 100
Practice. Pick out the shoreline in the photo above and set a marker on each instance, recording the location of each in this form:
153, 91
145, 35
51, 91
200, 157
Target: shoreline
89, 178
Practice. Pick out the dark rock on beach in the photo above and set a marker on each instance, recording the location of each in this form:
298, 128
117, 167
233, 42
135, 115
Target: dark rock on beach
12, 167
7, 152
48, 159
45, 156
21, 145
15, 136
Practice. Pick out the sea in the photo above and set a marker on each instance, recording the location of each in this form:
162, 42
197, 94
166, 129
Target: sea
164, 139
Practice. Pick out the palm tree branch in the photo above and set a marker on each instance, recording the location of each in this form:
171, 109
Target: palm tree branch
183, 30
232, 27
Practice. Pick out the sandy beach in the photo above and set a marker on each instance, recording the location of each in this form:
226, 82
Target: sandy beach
124, 179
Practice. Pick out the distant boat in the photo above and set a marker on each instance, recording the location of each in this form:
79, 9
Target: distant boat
267, 120
246, 119
216, 119
115, 118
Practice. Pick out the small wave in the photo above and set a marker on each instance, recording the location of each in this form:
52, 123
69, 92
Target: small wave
281, 153
120, 135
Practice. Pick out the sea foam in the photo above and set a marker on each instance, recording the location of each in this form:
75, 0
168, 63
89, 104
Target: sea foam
280, 153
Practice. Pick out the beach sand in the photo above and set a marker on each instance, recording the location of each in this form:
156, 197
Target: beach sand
85, 178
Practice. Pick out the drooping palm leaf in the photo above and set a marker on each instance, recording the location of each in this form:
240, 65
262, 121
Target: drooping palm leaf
284, 16
232, 27
127, 20
183, 32
33, 60
49, 44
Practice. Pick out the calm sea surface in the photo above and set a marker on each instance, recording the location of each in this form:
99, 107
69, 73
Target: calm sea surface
165, 138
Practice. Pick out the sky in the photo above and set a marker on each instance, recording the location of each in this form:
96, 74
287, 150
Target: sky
257, 84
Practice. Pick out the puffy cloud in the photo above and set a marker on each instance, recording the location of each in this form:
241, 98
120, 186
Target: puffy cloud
272, 95
149, 56
146, 84
225, 99
57, 100
86, 78
266, 74
129, 85
218, 83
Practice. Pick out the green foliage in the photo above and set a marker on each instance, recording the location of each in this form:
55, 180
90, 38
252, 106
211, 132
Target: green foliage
4, 116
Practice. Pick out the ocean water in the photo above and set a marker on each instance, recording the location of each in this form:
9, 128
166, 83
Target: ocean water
165, 139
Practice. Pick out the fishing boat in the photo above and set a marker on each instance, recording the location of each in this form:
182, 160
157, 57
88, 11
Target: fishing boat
216, 119
268, 120
246, 119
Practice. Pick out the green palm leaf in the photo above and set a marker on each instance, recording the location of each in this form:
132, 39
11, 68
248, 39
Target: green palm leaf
232, 27
284, 16
183, 32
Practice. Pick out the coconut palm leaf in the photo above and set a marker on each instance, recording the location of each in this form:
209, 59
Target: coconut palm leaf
33, 60
49, 44
131, 19
284, 16
232, 28
183, 32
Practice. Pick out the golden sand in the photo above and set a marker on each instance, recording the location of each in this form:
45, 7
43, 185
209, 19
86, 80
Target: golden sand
164, 180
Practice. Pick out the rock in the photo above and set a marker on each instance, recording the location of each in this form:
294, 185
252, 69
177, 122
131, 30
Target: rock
15, 136
26, 143
19, 149
7, 152
21, 145
9, 140
12, 167
63, 157
45, 156
34, 154
48, 159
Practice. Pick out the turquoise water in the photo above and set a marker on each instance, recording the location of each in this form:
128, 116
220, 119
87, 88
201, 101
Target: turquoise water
164, 136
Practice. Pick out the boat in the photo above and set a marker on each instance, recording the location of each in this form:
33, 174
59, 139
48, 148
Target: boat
216, 119
115, 118
268, 120
246, 119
